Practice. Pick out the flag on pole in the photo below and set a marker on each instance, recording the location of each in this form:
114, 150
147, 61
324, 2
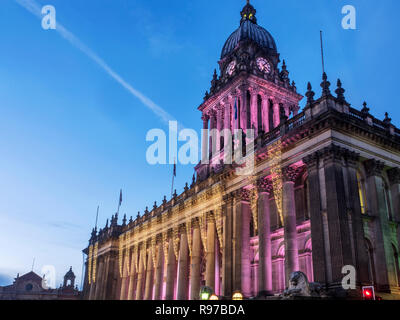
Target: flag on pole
236, 110
173, 176
235, 107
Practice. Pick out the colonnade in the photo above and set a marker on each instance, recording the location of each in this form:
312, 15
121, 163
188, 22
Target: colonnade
216, 251
213, 247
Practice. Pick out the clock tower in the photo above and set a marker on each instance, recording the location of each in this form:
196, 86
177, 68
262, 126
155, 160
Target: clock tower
251, 91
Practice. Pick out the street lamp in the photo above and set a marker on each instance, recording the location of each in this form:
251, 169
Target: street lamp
205, 293
237, 295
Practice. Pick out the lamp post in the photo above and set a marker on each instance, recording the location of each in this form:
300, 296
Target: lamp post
205, 293
237, 295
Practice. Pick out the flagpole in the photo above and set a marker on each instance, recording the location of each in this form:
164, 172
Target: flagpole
322, 52
120, 201
172, 187
173, 176
97, 217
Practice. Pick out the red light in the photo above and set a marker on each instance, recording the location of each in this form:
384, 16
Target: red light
368, 293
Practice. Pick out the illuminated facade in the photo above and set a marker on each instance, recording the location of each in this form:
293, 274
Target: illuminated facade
324, 194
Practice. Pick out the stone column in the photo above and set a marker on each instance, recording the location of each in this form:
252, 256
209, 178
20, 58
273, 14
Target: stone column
237, 243
358, 237
171, 271
131, 288
317, 227
183, 280
265, 111
277, 119
219, 126
227, 247
195, 265
254, 111
149, 276
99, 276
110, 290
264, 237
385, 275
210, 258
124, 279
104, 277
139, 284
227, 114
394, 180
337, 213
92, 289
245, 255
212, 136
159, 273
243, 108
289, 224
204, 137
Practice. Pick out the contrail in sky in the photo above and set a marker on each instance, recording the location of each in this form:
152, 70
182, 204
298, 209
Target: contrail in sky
33, 7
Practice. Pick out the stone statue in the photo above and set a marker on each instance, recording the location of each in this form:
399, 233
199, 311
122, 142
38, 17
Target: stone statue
300, 287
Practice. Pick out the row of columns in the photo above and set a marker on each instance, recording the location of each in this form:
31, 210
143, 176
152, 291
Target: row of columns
223, 117
104, 287
177, 275
170, 278
337, 228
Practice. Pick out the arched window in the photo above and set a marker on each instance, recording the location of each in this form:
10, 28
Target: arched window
271, 115
306, 200
371, 263
248, 114
361, 193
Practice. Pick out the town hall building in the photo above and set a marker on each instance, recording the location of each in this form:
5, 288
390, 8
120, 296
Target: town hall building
324, 194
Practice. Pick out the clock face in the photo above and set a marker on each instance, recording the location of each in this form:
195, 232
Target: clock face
263, 65
231, 68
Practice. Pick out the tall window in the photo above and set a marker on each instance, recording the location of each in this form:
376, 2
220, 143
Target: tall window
387, 200
259, 113
271, 115
306, 200
248, 115
361, 193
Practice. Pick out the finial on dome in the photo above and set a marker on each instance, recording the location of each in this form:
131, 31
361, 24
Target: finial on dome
248, 13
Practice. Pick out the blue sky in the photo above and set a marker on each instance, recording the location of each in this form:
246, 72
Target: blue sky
71, 136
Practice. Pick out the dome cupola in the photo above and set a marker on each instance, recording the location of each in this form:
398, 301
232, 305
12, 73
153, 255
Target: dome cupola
249, 30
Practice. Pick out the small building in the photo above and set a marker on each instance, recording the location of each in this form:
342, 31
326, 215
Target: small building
31, 286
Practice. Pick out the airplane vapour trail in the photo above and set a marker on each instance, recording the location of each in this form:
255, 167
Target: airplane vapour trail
33, 7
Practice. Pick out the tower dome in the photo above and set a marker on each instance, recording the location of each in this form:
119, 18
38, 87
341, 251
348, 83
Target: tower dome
249, 30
